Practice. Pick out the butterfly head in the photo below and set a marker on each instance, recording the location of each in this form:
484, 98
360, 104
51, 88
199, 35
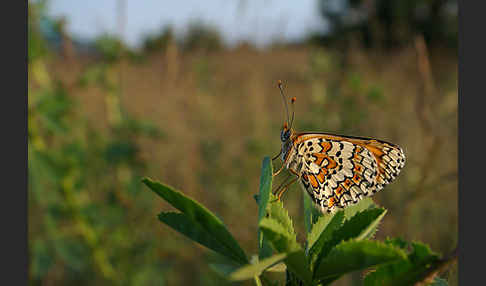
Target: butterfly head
285, 133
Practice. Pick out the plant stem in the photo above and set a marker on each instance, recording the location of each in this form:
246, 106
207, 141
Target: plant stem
257, 281
439, 267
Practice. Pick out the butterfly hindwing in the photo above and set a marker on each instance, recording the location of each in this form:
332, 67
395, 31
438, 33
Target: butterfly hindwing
338, 171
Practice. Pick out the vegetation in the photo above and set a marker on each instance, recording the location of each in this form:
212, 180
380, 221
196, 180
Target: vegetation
336, 244
391, 23
202, 121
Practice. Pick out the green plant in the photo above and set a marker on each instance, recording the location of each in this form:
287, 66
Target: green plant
336, 244
82, 181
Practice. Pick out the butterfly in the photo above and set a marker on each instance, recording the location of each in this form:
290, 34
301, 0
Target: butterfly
336, 170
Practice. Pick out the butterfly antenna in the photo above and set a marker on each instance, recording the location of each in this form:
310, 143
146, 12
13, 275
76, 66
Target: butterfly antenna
283, 97
293, 111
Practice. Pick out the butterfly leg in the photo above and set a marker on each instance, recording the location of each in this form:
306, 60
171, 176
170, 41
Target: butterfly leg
281, 168
276, 156
281, 184
278, 172
285, 188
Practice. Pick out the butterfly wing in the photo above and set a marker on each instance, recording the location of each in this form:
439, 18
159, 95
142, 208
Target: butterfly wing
338, 171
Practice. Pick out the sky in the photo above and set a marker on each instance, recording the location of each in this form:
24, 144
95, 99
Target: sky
257, 21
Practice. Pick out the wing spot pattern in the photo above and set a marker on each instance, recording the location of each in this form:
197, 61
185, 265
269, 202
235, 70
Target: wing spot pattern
341, 172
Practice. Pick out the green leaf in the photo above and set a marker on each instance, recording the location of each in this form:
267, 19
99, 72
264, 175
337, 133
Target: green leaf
349, 256
358, 227
194, 231
222, 269
398, 242
201, 216
252, 270
265, 187
323, 228
406, 271
284, 242
375, 216
277, 212
311, 213
297, 263
364, 204
279, 236
280, 267
422, 253
264, 249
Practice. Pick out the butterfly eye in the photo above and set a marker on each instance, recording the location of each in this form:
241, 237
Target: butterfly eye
285, 134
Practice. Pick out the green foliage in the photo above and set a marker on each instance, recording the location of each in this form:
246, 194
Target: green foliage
311, 214
63, 175
208, 229
37, 46
278, 213
88, 220
391, 23
337, 243
322, 234
408, 270
280, 237
355, 255
264, 249
252, 270
80, 185
357, 227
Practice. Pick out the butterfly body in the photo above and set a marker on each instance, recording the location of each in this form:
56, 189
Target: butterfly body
336, 170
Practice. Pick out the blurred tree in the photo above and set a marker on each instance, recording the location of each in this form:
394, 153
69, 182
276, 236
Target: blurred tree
390, 23
37, 46
159, 41
201, 36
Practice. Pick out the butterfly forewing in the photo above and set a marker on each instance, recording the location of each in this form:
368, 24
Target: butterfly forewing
337, 171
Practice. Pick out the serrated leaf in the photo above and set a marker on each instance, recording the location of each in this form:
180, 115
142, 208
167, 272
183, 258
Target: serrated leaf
264, 249
251, 270
283, 242
201, 216
349, 256
398, 242
279, 236
364, 204
357, 227
406, 271
277, 212
375, 215
421, 253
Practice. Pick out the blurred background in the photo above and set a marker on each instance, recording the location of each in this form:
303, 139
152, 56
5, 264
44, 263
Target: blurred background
185, 92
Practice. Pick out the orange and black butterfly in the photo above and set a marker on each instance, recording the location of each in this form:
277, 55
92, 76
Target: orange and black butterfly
336, 170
